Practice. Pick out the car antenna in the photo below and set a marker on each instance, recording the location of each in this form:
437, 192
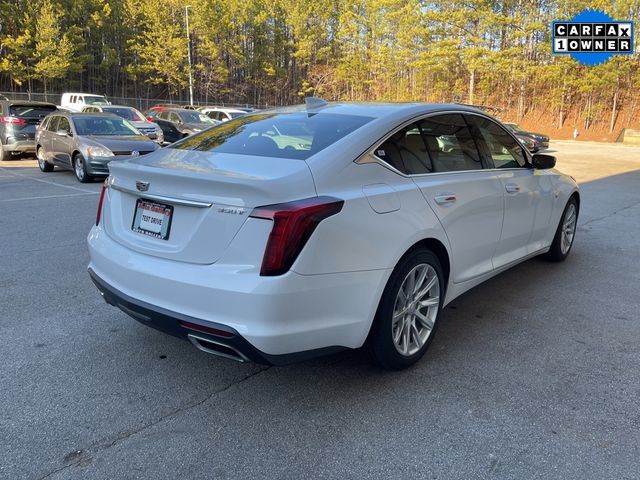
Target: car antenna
315, 102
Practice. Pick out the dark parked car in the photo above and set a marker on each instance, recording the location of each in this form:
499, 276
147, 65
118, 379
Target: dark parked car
18, 122
177, 123
537, 140
87, 142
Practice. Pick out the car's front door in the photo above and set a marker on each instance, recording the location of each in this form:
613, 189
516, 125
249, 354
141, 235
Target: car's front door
441, 157
528, 193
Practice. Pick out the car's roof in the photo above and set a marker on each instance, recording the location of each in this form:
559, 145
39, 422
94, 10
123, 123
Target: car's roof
28, 102
82, 93
378, 110
89, 114
113, 106
180, 110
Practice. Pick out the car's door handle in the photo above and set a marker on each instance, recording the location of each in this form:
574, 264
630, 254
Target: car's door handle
445, 198
512, 188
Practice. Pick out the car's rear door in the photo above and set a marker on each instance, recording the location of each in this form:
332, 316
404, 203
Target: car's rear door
528, 193
62, 145
168, 129
441, 157
46, 138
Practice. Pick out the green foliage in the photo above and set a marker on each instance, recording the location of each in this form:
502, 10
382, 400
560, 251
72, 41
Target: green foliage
495, 52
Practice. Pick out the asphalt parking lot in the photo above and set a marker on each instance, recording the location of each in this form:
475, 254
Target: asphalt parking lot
534, 374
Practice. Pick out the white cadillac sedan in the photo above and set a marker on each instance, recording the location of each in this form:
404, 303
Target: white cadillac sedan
297, 232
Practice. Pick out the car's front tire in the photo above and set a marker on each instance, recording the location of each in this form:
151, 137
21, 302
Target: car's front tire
42, 163
80, 169
408, 313
565, 234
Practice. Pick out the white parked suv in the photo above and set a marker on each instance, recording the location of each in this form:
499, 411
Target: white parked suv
75, 102
223, 114
279, 237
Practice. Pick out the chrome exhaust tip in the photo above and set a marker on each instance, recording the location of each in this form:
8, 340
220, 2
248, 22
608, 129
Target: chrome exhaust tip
216, 348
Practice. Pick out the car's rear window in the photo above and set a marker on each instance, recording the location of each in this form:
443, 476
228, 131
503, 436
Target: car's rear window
126, 113
30, 111
284, 135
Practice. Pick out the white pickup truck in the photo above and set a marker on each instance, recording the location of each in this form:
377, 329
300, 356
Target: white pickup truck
75, 102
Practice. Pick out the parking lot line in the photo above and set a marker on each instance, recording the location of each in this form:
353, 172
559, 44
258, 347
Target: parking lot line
46, 181
48, 196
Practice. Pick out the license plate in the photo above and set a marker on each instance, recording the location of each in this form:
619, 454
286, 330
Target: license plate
152, 218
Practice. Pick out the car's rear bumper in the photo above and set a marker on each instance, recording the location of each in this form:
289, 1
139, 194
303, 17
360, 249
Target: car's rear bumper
273, 319
233, 345
20, 146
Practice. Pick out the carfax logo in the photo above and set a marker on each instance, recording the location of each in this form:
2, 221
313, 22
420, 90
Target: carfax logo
592, 37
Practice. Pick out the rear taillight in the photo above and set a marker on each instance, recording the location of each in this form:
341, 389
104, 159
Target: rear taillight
150, 119
293, 224
14, 120
105, 185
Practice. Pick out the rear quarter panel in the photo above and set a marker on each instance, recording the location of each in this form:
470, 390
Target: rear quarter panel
359, 238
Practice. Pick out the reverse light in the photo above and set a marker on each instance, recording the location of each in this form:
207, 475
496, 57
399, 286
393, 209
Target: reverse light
105, 186
14, 120
293, 224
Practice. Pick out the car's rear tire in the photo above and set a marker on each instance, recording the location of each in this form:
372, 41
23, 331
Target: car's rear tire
408, 312
80, 169
565, 233
42, 163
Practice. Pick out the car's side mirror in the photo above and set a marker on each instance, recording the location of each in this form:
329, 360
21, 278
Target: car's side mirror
62, 132
541, 161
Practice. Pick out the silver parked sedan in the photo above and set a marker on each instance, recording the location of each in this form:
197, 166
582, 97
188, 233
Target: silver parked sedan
87, 142
133, 116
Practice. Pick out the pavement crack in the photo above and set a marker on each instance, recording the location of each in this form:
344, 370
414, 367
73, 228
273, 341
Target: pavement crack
615, 212
107, 444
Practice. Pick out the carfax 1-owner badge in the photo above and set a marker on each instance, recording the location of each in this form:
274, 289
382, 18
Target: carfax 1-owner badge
592, 37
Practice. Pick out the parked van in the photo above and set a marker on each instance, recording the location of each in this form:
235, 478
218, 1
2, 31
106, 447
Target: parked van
76, 101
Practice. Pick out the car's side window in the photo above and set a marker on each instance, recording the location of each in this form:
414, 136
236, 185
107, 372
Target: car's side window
63, 124
406, 151
450, 143
52, 126
500, 146
173, 117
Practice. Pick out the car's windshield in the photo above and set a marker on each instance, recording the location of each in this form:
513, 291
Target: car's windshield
31, 111
513, 127
195, 117
103, 125
127, 113
284, 135
95, 100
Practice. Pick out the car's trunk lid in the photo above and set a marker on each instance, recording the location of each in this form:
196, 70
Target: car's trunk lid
211, 195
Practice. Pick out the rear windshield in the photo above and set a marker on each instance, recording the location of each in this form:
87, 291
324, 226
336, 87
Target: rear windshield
126, 113
284, 135
195, 117
103, 125
31, 111
95, 100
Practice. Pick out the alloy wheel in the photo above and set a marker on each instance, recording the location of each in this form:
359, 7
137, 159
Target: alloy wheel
568, 228
78, 166
415, 309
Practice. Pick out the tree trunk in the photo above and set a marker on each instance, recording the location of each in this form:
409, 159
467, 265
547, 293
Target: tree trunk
614, 111
472, 85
